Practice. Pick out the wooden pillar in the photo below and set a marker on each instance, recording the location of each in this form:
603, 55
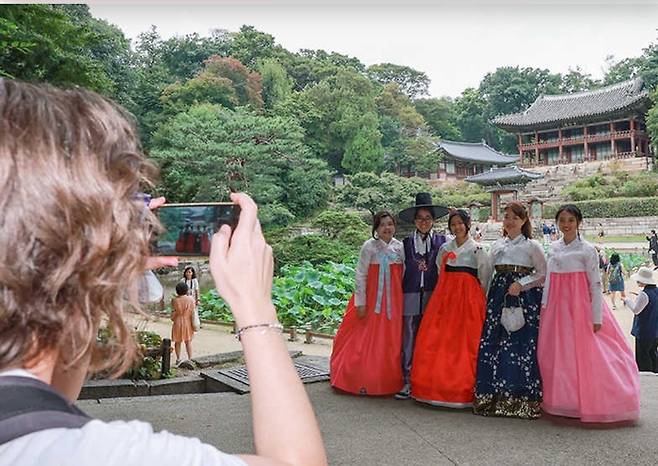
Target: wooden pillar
559, 139
632, 122
612, 140
520, 144
586, 148
536, 148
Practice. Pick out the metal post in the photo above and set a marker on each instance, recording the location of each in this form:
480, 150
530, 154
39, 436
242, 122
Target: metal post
166, 355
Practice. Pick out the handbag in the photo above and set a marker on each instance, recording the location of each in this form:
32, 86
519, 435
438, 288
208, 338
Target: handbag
196, 322
512, 317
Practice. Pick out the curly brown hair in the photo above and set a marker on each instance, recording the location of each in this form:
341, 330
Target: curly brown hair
74, 237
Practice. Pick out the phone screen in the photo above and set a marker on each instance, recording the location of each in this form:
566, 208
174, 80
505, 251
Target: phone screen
189, 227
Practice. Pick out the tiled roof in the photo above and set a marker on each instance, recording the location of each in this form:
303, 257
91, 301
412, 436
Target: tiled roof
507, 175
575, 108
478, 152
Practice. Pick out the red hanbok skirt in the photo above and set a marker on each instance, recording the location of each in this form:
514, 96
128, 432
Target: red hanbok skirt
446, 351
366, 354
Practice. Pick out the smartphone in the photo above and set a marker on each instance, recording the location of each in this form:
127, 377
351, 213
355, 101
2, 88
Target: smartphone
189, 227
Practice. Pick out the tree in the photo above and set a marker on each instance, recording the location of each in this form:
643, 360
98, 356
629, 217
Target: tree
441, 116
340, 119
622, 70
407, 143
209, 150
246, 83
652, 121
470, 107
412, 82
373, 192
63, 45
223, 81
250, 45
513, 89
649, 65
184, 56
277, 85
575, 81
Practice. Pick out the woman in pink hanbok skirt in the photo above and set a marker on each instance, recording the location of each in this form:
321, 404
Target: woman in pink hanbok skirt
587, 367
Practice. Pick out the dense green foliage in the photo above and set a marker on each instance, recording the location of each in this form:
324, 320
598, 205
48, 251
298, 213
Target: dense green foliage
339, 112
209, 149
147, 367
618, 184
610, 208
305, 295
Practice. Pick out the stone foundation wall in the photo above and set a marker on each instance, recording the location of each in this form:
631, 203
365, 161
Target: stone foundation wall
620, 226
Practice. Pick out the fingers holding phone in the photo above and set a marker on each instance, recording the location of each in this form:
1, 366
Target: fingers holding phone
242, 266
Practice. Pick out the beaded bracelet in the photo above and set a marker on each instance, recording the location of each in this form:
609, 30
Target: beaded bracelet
263, 327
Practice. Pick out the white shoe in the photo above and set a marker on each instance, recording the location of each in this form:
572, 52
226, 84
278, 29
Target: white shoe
403, 394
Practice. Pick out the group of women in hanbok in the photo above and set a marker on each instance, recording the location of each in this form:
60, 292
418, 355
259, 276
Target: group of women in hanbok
505, 332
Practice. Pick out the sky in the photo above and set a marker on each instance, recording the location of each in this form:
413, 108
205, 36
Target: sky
455, 42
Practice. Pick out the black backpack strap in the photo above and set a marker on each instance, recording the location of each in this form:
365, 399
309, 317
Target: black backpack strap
29, 405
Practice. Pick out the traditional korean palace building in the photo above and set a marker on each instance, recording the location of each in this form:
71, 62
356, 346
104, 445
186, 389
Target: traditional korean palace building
462, 159
603, 124
507, 181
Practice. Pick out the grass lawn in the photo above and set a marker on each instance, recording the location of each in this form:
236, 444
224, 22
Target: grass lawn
622, 239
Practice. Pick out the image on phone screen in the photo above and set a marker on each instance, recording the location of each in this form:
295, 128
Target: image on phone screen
189, 227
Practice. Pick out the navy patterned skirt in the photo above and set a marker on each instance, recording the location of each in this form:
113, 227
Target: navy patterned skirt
508, 381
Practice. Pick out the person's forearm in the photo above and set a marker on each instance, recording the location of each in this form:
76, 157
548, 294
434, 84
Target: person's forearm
277, 397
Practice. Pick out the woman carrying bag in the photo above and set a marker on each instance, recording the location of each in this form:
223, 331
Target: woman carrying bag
508, 382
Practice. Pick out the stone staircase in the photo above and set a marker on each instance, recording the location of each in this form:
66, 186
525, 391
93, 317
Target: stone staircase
556, 177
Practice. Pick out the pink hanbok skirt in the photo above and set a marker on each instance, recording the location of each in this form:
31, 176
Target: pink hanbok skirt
585, 375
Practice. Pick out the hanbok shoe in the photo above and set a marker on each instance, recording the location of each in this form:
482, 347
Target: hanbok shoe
403, 394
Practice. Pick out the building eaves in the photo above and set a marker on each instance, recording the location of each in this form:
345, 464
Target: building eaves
574, 108
475, 153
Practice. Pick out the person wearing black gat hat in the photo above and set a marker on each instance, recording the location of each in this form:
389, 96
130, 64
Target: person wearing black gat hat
420, 273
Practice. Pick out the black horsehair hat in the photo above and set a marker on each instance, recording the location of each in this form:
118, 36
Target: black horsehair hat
423, 201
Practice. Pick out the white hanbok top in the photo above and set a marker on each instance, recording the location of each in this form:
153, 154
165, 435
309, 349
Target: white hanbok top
577, 256
470, 254
375, 251
524, 252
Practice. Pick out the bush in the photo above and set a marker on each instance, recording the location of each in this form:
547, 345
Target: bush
148, 367
315, 249
610, 208
460, 195
347, 227
619, 184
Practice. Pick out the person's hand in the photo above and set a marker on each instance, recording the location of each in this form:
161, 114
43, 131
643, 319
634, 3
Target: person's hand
242, 267
361, 312
514, 289
596, 327
156, 262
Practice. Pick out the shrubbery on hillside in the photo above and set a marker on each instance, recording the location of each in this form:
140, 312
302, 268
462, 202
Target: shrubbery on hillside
619, 184
610, 208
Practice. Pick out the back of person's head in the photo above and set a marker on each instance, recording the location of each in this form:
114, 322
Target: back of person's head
181, 289
74, 237
614, 259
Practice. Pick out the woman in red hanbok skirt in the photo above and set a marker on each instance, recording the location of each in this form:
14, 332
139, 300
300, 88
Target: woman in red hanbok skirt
366, 354
445, 357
